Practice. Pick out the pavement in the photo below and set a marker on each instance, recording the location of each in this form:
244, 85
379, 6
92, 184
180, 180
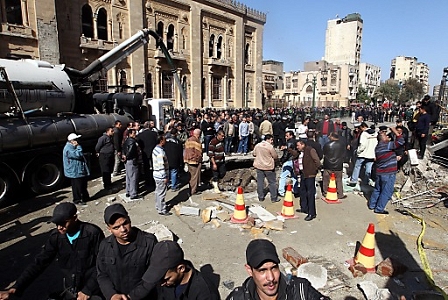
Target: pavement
328, 241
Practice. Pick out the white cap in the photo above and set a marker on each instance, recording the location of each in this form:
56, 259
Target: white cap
73, 136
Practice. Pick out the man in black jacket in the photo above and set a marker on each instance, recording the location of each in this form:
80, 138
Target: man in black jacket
123, 257
266, 281
74, 244
174, 153
105, 152
175, 277
118, 142
147, 141
131, 158
334, 154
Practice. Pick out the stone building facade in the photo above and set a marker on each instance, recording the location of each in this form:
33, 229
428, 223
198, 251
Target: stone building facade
216, 45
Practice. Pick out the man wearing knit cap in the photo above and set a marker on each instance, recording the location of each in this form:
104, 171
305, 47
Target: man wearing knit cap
266, 281
176, 278
124, 256
67, 241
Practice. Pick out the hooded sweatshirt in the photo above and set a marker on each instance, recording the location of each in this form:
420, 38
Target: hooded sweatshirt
367, 144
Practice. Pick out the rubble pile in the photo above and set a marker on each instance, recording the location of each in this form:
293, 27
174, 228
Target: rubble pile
245, 178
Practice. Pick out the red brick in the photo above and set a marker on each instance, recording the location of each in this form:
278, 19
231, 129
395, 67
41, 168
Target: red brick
390, 267
293, 257
358, 270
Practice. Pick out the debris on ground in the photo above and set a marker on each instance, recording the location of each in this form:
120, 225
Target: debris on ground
372, 292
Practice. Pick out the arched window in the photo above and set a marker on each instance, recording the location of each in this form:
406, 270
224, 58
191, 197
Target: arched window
123, 80
246, 54
159, 31
184, 42
102, 24
13, 10
211, 46
87, 21
149, 89
309, 89
170, 37
229, 90
219, 48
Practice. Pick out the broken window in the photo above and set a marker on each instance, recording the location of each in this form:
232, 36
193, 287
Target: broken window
216, 92
149, 89
87, 21
159, 32
167, 85
247, 54
101, 22
219, 48
13, 10
229, 90
170, 37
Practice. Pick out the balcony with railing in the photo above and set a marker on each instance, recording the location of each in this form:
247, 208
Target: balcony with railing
213, 61
90, 43
175, 55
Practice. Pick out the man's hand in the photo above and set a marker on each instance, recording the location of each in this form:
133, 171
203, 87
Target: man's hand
5, 294
119, 154
82, 296
119, 297
97, 155
348, 147
214, 167
241, 137
398, 158
423, 135
166, 181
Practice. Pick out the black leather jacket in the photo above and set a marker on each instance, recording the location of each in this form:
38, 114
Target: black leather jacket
130, 148
290, 144
334, 154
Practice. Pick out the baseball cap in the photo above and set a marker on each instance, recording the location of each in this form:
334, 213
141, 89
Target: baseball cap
73, 136
63, 211
259, 251
165, 255
114, 209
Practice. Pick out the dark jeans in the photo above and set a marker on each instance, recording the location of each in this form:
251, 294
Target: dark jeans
307, 195
228, 144
106, 161
422, 143
207, 139
270, 176
79, 189
220, 171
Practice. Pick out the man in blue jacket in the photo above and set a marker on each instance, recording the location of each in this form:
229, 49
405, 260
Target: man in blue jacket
422, 130
75, 168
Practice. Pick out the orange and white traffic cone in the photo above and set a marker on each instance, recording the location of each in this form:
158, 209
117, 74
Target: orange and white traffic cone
332, 192
288, 204
239, 213
366, 253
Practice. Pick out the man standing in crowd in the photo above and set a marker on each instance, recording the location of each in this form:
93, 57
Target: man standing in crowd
131, 157
276, 131
287, 168
123, 257
386, 170
118, 142
324, 128
264, 164
334, 154
243, 131
193, 159
174, 150
176, 278
208, 131
105, 151
160, 173
265, 127
311, 141
75, 168
217, 159
345, 136
229, 131
71, 238
422, 130
365, 153
265, 279
306, 165
147, 141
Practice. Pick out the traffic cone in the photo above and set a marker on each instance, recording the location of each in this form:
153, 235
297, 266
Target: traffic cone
332, 192
366, 253
288, 204
239, 213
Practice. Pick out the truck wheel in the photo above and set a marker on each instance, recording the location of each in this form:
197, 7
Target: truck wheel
8, 184
45, 174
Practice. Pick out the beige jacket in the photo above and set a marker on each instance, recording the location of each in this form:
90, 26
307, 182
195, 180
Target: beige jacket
265, 156
266, 128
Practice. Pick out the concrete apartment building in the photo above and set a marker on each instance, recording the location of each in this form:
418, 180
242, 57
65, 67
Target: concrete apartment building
406, 67
369, 77
216, 45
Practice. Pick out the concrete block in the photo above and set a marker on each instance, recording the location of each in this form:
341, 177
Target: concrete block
358, 270
206, 215
161, 232
372, 292
390, 267
189, 211
315, 274
274, 225
262, 213
216, 223
413, 157
293, 257
223, 216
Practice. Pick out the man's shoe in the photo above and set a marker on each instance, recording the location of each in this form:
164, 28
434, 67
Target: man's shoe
275, 201
351, 183
135, 198
167, 213
281, 195
127, 195
384, 212
343, 197
261, 200
310, 217
299, 210
80, 203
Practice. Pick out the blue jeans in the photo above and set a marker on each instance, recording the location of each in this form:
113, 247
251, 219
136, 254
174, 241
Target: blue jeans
384, 188
287, 171
323, 140
173, 178
207, 139
357, 169
242, 147
228, 144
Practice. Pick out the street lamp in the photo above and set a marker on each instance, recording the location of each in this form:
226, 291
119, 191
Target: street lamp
314, 81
